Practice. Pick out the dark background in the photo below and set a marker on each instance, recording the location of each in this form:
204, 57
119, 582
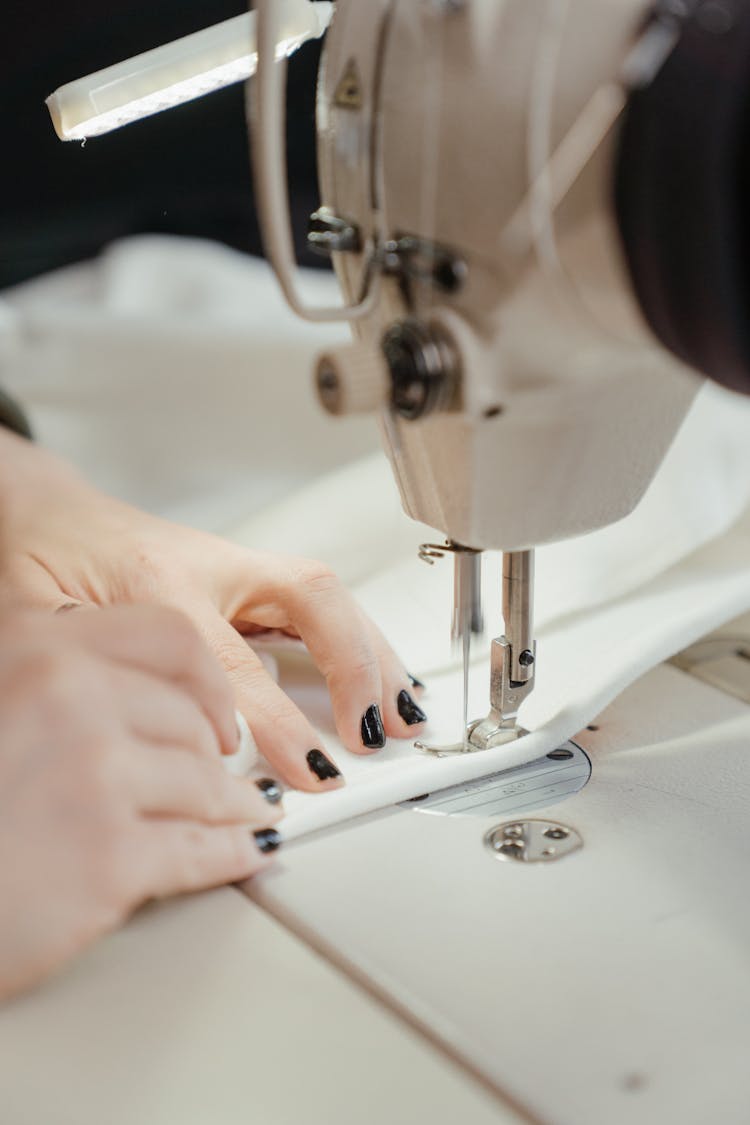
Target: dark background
183, 172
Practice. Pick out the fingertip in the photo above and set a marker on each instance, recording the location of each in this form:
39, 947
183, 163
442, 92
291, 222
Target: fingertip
323, 772
409, 710
267, 840
270, 789
404, 718
371, 728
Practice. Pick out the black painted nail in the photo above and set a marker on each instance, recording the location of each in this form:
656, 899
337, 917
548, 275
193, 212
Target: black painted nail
270, 789
414, 681
268, 839
373, 734
408, 710
322, 767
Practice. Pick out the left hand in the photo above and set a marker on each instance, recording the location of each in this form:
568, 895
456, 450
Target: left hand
65, 543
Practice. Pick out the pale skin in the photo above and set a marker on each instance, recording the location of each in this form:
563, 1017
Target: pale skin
114, 714
112, 788
67, 544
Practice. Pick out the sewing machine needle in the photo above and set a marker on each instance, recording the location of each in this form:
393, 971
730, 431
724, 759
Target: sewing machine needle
467, 614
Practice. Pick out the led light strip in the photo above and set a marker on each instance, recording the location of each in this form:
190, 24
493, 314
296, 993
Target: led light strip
178, 72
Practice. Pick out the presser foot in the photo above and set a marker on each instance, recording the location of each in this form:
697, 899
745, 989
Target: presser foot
482, 734
486, 734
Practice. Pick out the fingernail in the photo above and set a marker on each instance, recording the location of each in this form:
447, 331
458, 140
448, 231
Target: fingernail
414, 681
270, 789
408, 710
373, 734
322, 767
268, 839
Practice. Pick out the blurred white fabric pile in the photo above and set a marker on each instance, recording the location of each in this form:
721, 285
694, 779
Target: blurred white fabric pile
171, 372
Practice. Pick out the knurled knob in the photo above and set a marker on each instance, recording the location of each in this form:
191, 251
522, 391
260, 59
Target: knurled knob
353, 379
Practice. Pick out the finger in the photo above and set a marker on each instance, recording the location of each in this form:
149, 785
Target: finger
174, 782
160, 712
417, 687
329, 621
403, 717
164, 643
180, 856
281, 732
26, 584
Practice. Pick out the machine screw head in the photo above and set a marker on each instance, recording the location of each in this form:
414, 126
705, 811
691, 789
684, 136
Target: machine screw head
526, 659
562, 754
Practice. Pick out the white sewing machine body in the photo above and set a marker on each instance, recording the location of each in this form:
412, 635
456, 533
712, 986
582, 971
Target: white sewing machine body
483, 134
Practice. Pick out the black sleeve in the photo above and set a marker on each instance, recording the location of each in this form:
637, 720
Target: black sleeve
12, 417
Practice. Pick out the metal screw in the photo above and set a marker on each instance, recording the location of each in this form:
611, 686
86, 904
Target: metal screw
512, 848
526, 659
555, 834
514, 830
560, 755
329, 387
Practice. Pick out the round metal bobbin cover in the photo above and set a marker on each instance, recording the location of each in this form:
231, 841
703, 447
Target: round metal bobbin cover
532, 841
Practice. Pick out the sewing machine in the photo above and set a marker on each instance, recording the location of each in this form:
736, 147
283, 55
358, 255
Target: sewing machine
503, 307
508, 267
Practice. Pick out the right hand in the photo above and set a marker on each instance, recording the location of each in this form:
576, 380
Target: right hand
112, 788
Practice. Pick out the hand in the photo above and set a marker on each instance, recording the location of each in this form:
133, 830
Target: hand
67, 543
112, 789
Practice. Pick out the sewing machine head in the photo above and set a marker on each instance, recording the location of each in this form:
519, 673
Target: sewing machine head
468, 160
496, 179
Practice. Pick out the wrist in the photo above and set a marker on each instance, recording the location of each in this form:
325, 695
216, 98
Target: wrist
28, 472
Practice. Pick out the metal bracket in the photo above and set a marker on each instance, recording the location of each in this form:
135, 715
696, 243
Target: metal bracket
414, 259
330, 233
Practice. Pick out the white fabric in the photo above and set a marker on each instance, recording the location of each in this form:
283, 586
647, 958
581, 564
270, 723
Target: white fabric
172, 373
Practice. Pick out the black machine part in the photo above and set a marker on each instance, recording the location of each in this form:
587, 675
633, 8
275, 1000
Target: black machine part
681, 187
